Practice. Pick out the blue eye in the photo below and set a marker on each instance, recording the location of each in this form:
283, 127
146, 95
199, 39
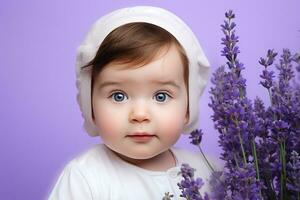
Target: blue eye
118, 96
161, 96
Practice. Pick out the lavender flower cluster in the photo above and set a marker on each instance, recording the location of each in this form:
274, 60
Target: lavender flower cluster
260, 145
190, 186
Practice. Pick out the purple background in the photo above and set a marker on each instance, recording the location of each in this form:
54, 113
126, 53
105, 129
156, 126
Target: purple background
41, 125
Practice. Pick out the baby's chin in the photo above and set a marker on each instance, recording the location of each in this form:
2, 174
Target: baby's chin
139, 154
136, 156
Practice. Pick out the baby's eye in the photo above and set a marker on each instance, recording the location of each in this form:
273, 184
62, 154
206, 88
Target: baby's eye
161, 96
118, 96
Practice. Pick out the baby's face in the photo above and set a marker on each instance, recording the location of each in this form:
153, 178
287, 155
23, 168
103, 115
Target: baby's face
132, 101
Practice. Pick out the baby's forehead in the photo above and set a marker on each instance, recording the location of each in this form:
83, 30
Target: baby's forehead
156, 73
145, 83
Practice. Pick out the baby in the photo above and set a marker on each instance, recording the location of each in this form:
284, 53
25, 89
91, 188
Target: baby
140, 73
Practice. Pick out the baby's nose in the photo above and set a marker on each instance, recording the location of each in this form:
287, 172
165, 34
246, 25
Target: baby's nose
139, 112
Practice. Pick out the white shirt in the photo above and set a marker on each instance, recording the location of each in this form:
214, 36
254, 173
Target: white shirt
100, 174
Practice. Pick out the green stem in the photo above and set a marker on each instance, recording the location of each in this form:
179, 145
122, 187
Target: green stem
269, 91
255, 159
242, 147
284, 161
256, 164
206, 159
236, 161
241, 143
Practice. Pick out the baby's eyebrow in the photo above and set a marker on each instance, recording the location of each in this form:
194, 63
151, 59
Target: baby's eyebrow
171, 83
109, 83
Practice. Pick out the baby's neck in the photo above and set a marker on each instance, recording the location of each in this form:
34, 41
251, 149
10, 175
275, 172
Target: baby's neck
161, 162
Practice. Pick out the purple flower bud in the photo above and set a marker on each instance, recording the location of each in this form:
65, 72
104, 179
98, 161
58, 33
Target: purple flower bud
267, 77
196, 136
263, 62
229, 14
269, 60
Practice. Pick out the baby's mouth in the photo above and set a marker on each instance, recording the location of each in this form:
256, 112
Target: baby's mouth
141, 136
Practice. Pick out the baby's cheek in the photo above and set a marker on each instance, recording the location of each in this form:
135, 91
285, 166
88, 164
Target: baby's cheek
173, 125
108, 121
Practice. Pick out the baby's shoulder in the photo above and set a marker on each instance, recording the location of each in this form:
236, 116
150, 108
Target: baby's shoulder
92, 162
95, 166
89, 157
83, 176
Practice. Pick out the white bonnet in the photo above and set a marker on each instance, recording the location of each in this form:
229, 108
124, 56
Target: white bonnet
198, 63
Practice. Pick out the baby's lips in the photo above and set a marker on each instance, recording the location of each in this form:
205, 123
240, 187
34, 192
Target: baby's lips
140, 133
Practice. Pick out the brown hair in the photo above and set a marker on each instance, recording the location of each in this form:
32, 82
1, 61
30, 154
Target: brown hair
136, 44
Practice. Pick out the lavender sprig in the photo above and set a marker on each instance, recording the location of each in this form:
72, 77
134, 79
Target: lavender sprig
268, 76
190, 186
196, 137
234, 116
